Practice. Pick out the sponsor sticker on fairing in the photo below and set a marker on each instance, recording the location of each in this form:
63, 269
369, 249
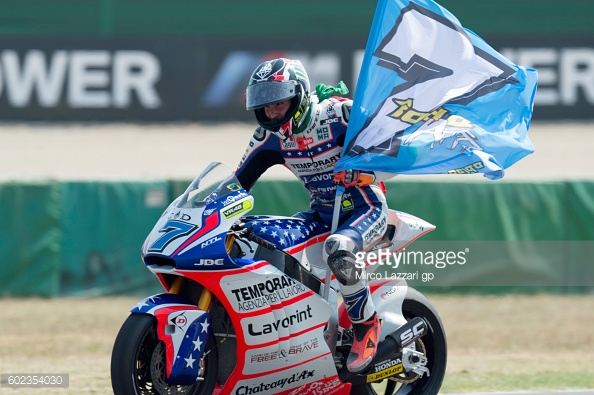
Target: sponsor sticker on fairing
292, 352
261, 292
320, 387
233, 198
237, 209
268, 325
272, 386
303, 316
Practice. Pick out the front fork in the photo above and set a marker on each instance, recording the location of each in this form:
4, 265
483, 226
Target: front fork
206, 296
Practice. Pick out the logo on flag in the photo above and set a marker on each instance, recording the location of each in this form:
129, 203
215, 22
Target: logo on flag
433, 97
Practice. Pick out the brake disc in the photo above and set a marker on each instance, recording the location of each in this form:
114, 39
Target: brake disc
158, 375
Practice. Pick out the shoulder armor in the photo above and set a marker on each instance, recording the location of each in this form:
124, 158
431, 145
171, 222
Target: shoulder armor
346, 110
260, 134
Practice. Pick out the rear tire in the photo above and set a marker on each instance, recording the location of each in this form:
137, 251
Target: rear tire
134, 362
417, 305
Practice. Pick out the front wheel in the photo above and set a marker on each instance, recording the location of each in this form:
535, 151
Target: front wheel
138, 362
433, 344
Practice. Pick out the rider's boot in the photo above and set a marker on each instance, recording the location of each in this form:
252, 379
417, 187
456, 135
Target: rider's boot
359, 305
365, 332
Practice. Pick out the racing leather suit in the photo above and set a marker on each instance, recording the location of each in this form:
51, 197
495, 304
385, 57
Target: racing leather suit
311, 155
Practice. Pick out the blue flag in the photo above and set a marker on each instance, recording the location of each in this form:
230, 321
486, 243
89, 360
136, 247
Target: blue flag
433, 97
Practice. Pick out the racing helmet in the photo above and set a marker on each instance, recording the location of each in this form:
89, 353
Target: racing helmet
272, 82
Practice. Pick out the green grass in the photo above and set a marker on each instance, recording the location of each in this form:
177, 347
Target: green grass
490, 382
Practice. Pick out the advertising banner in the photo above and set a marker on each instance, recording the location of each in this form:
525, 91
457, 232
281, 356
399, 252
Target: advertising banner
195, 79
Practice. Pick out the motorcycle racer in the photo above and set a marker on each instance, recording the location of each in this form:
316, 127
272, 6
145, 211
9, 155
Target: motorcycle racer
305, 132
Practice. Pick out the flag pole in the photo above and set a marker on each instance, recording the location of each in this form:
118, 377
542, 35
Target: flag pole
337, 204
335, 215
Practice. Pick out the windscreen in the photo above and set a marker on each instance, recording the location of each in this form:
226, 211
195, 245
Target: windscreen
215, 182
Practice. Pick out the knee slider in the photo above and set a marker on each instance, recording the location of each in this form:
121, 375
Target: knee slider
342, 264
341, 260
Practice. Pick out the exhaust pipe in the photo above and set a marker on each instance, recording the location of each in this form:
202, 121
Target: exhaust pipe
400, 338
392, 344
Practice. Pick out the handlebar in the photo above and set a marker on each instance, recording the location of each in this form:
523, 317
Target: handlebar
260, 241
251, 236
246, 232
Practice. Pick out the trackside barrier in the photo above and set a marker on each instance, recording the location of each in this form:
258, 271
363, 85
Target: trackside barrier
190, 18
84, 238
103, 226
30, 238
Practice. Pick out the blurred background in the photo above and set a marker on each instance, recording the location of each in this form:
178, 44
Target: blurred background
109, 108
151, 60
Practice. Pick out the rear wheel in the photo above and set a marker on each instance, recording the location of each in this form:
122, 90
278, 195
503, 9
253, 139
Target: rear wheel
433, 344
138, 362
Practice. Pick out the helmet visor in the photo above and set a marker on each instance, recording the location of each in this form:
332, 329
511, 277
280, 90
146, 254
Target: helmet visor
265, 93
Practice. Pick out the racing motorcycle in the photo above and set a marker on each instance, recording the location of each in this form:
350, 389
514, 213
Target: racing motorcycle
250, 307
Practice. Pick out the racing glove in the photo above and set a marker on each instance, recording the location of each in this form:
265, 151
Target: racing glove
350, 178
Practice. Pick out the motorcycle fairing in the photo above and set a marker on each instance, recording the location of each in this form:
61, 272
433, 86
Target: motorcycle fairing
185, 330
407, 228
184, 235
388, 296
328, 386
263, 288
279, 327
308, 379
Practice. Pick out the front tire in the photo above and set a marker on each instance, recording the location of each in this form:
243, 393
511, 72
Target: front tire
434, 341
137, 362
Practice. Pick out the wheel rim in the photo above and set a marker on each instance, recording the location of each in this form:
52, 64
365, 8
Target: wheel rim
427, 345
142, 371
